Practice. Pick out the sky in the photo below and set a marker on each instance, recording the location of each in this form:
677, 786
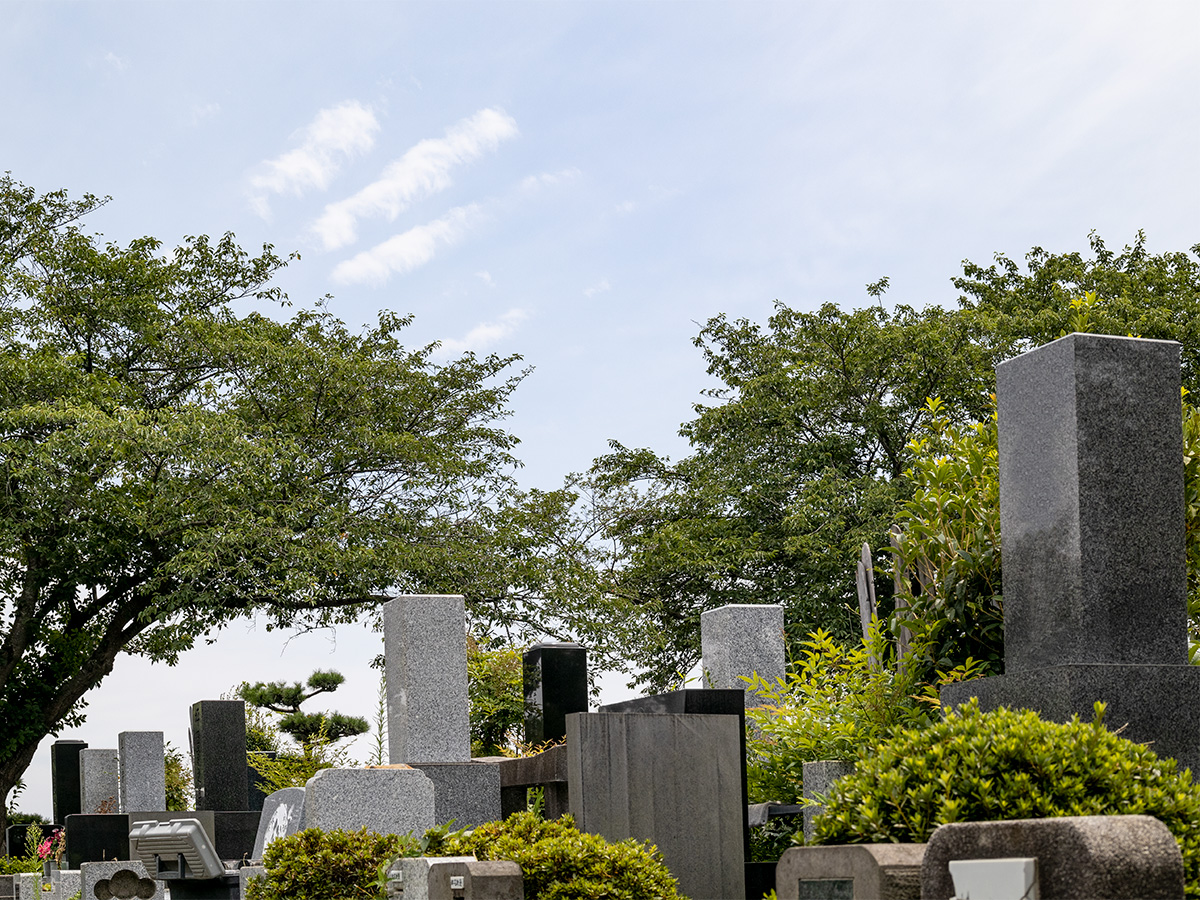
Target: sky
585, 184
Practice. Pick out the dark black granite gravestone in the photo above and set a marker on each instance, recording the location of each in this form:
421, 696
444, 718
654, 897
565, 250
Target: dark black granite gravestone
219, 755
65, 785
96, 837
236, 832
556, 684
1092, 530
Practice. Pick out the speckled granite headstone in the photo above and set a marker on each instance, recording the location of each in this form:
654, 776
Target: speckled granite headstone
99, 791
425, 645
282, 814
739, 640
1092, 532
389, 800
143, 780
219, 754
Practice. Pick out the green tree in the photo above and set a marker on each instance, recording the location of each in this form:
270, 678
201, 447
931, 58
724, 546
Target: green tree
173, 459
495, 688
305, 727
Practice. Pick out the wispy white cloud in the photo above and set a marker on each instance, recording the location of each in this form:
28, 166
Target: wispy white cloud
405, 252
202, 111
116, 62
486, 278
336, 134
485, 334
422, 171
627, 207
599, 288
549, 179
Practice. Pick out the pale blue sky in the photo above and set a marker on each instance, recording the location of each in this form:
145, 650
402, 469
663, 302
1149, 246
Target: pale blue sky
584, 183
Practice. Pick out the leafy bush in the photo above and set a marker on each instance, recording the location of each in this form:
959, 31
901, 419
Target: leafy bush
495, 686
558, 862
1007, 764
178, 777
836, 700
327, 865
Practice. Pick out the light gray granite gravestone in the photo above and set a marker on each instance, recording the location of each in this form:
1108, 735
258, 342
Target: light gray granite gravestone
1092, 532
852, 871
466, 793
143, 780
739, 640
386, 799
673, 779
425, 645
282, 814
99, 788
120, 880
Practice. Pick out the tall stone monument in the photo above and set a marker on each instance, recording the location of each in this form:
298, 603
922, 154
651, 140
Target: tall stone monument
66, 787
739, 640
218, 737
1092, 535
143, 778
555, 680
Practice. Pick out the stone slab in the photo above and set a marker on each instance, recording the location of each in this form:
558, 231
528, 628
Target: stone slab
65, 785
120, 880
465, 793
873, 871
388, 800
674, 780
282, 815
425, 646
236, 831
555, 681
819, 777
739, 640
1091, 504
1156, 705
143, 779
1114, 857
99, 776
416, 872
218, 736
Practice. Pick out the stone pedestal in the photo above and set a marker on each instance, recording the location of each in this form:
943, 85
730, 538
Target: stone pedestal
387, 799
465, 793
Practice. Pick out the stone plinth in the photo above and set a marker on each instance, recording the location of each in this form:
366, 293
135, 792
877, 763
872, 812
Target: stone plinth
740, 640
556, 684
858, 871
1114, 857
389, 800
425, 646
219, 754
673, 780
143, 779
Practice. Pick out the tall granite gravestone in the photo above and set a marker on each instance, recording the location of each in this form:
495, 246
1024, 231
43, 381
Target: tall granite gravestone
98, 775
555, 681
143, 778
740, 640
219, 754
66, 788
425, 646
674, 780
1092, 532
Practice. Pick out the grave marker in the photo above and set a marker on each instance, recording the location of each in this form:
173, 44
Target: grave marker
98, 773
219, 754
66, 786
739, 640
556, 684
143, 780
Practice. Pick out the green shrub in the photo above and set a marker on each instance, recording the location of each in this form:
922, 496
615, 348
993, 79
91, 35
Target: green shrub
333, 865
559, 862
1007, 764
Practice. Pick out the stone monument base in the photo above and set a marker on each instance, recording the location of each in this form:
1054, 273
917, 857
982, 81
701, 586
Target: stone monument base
1155, 705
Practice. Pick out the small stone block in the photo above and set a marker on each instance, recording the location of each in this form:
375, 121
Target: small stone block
385, 800
425, 645
1115, 857
143, 780
31, 885
420, 881
739, 640
465, 793
282, 815
119, 880
99, 775
852, 871
494, 879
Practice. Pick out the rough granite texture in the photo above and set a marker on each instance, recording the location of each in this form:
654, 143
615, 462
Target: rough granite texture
674, 780
1091, 503
415, 872
740, 640
143, 781
1084, 857
425, 645
386, 800
878, 871
556, 684
219, 754
98, 775
282, 815
121, 880
467, 793
818, 777
29, 886
65, 785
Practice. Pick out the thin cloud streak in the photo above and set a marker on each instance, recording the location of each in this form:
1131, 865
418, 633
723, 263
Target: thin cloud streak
421, 172
405, 252
334, 135
485, 334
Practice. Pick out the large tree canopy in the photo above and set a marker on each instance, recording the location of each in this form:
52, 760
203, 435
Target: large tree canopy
172, 460
803, 454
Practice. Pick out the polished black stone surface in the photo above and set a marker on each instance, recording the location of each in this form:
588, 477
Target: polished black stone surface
65, 784
556, 684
